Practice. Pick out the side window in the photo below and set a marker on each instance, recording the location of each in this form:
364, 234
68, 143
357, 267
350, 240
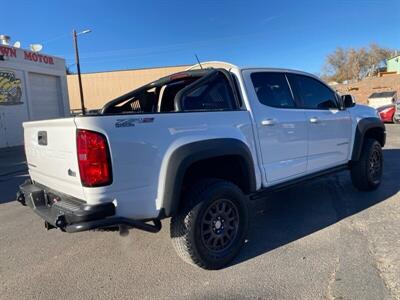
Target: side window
272, 89
312, 94
215, 94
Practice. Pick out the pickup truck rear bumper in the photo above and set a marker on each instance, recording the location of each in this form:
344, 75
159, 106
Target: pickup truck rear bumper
59, 210
73, 215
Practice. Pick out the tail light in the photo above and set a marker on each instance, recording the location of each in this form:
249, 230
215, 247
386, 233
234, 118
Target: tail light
93, 158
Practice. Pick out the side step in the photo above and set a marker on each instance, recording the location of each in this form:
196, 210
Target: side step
281, 186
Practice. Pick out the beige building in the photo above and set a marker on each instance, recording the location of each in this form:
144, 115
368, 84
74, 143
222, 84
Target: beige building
99, 88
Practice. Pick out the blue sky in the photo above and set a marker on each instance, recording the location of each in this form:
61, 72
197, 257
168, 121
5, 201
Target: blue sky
134, 34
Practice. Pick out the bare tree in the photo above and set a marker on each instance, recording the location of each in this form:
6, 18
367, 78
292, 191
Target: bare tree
357, 60
68, 70
335, 66
355, 64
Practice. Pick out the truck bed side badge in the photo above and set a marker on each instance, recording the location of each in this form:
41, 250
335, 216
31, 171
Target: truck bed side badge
132, 121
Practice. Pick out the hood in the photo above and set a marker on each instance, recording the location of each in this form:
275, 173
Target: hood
361, 111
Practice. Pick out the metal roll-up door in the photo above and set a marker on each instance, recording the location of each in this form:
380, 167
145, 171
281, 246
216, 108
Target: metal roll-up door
45, 97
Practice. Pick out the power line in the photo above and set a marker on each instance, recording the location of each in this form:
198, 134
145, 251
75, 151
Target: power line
54, 38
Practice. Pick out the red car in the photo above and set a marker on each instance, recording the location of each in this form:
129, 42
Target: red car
386, 113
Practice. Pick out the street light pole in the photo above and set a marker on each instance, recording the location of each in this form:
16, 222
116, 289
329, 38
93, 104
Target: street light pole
78, 66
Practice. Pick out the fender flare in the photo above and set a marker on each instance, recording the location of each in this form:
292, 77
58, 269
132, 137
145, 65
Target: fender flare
363, 126
183, 157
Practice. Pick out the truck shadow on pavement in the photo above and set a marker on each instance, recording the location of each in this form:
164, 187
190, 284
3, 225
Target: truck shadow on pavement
289, 215
13, 172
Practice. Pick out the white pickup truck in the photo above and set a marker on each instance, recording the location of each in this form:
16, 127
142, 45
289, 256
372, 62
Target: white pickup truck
196, 146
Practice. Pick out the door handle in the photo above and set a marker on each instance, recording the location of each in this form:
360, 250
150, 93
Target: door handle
268, 122
314, 120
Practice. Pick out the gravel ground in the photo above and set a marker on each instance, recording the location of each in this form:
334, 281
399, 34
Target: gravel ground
320, 240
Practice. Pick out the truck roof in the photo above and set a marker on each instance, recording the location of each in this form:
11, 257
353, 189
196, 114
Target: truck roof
228, 66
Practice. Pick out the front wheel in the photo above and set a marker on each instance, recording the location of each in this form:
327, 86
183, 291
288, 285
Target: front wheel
366, 173
210, 230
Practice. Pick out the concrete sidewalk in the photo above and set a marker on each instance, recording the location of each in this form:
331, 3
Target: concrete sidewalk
13, 171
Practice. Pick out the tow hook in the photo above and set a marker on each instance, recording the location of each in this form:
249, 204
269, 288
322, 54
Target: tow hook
60, 221
21, 198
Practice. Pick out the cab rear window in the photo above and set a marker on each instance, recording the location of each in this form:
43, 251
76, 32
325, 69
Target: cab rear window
215, 94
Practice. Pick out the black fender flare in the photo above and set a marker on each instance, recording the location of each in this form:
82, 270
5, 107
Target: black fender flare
183, 157
363, 126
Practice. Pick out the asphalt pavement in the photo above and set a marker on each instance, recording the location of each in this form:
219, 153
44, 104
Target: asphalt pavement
319, 240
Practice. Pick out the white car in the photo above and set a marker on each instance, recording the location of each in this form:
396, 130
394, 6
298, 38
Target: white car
196, 146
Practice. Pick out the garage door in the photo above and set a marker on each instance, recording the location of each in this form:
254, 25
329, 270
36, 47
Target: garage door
45, 101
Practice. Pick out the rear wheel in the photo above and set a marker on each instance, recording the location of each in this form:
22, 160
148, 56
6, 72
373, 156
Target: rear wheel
366, 173
211, 228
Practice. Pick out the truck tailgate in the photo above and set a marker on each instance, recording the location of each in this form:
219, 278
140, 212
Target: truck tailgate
50, 148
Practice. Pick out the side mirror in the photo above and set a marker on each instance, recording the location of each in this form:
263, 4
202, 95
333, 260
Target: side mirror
348, 100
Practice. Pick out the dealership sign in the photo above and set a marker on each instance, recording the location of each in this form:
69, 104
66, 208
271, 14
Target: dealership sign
28, 55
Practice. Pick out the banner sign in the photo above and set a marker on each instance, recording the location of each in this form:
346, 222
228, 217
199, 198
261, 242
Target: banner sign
28, 55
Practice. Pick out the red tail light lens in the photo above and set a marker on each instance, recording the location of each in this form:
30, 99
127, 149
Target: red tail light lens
93, 158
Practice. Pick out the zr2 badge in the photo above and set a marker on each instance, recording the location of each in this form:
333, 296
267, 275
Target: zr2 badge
131, 122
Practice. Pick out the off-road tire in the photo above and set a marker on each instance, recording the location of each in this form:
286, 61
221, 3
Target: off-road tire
187, 228
362, 174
